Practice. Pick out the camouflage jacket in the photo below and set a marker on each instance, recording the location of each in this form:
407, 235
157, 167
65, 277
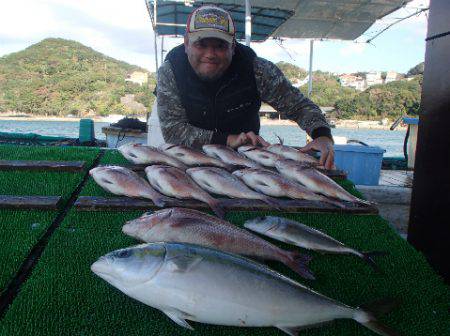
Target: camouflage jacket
274, 89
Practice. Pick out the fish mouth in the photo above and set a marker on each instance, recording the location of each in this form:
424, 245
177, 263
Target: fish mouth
101, 267
128, 229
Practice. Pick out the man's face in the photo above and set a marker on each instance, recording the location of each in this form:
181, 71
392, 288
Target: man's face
209, 57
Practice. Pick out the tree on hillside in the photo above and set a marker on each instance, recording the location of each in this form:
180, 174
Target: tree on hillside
416, 70
60, 77
292, 71
390, 100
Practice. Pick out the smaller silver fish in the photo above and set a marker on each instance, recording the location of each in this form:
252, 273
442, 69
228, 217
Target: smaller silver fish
140, 154
191, 156
301, 235
260, 155
220, 182
229, 156
174, 182
122, 181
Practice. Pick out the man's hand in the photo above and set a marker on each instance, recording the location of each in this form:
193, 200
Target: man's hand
256, 140
236, 140
325, 146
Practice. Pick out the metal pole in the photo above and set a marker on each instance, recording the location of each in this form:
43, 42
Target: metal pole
162, 48
155, 35
248, 23
310, 75
156, 51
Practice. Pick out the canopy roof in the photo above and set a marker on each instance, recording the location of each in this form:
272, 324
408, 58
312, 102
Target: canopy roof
330, 19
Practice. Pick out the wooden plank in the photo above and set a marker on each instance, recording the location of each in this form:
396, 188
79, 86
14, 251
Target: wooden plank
69, 166
29, 202
331, 173
94, 203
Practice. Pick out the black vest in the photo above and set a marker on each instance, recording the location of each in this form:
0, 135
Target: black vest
230, 105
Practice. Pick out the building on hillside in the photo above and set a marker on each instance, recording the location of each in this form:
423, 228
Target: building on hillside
391, 76
373, 78
137, 77
353, 81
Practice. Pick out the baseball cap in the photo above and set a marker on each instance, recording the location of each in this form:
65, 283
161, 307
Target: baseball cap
210, 22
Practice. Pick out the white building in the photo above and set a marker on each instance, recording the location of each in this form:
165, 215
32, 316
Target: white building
137, 77
373, 78
353, 81
391, 76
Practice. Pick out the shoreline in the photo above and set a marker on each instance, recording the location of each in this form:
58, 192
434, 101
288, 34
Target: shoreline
349, 124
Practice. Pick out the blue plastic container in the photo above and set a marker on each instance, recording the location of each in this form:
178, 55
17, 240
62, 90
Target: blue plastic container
361, 163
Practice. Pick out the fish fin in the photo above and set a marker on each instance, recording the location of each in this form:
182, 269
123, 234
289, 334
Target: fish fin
336, 203
217, 207
184, 263
368, 258
293, 331
279, 139
299, 263
365, 316
380, 328
178, 317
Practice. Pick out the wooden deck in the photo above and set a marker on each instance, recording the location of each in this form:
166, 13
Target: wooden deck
396, 178
393, 197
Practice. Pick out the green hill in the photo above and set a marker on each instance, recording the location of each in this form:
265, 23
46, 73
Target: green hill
390, 100
58, 77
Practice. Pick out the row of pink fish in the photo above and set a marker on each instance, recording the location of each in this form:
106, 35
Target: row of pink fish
170, 175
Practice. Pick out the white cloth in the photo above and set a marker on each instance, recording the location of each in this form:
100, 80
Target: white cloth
154, 135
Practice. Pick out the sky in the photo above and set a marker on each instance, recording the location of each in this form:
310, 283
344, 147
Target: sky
122, 29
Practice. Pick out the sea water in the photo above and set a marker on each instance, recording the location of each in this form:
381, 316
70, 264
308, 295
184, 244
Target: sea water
391, 141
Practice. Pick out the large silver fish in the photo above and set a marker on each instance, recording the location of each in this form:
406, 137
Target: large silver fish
288, 152
260, 155
140, 154
191, 156
315, 181
229, 156
174, 182
190, 282
292, 232
273, 184
195, 227
219, 181
122, 181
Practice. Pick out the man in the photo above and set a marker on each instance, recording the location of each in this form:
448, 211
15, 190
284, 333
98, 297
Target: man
210, 90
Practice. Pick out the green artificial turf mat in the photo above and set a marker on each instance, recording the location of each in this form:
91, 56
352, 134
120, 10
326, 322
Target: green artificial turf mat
63, 297
114, 157
48, 153
42, 183
19, 232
